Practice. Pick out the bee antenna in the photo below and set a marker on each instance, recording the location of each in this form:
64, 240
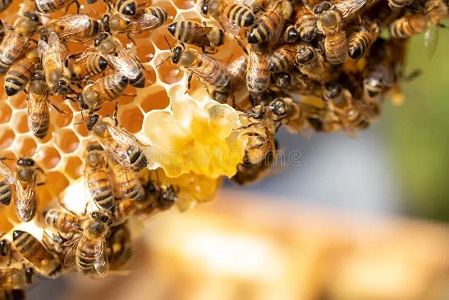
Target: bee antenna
95, 12
163, 61
241, 46
169, 46
82, 118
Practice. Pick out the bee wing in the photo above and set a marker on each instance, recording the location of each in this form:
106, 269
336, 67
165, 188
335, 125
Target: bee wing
349, 7
124, 62
53, 41
101, 263
431, 40
229, 25
73, 24
10, 43
142, 22
205, 72
25, 199
200, 34
42, 47
36, 113
120, 137
6, 173
70, 257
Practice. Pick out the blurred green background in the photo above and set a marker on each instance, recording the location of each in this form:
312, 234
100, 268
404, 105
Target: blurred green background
418, 132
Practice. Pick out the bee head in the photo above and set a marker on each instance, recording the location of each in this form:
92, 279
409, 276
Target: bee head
93, 119
29, 274
105, 22
25, 162
305, 54
32, 16
81, 103
176, 53
100, 39
277, 107
5, 247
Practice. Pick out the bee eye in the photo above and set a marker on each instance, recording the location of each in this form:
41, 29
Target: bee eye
105, 219
94, 215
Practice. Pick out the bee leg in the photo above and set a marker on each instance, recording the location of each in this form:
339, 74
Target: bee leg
189, 79
64, 206
58, 109
77, 7
128, 35
114, 116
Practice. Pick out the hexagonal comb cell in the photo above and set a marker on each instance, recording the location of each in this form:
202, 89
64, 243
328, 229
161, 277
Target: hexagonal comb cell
61, 120
20, 122
73, 167
49, 157
131, 118
25, 145
5, 112
56, 182
18, 101
6, 137
166, 71
156, 100
67, 141
181, 4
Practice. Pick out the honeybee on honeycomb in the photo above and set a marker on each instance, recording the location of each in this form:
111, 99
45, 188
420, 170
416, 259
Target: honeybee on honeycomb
309, 66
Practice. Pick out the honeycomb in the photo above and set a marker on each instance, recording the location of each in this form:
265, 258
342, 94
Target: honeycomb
192, 140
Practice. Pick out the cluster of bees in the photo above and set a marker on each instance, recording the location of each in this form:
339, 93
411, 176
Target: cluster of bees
308, 65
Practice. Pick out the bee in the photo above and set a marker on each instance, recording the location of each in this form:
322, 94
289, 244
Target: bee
409, 25
311, 63
340, 101
15, 279
160, 196
2, 30
190, 32
230, 15
124, 7
53, 56
283, 58
335, 42
26, 198
32, 250
210, 72
19, 74
5, 250
97, 176
127, 183
16, 39
107, 88
268, 27
4, 4
6, 179
63, 222
320, 7
237, 74
122, 59
89, 250
398, 4
38, 110
85, 65
50, 6
73, 26
18, 294
119, 246
349, 8
379, 73
247, 173
294, 81
305, 25
145, 20
118, 143
258, 71
123, 210
361, 40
